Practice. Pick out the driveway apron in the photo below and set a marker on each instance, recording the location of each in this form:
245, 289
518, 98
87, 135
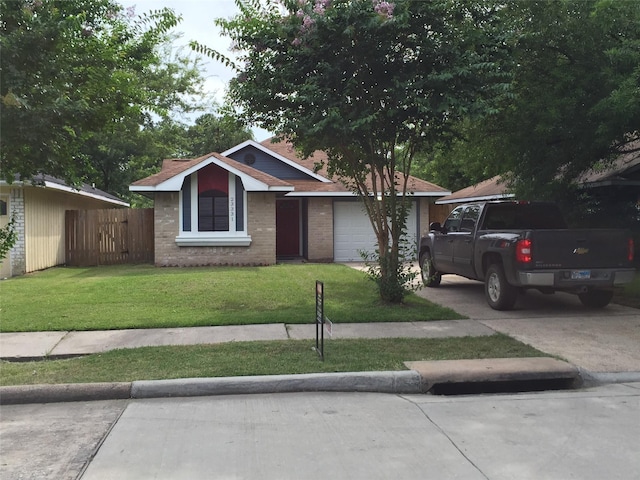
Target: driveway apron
598, 340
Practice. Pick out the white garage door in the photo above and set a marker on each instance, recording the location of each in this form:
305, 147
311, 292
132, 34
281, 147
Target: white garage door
352, 231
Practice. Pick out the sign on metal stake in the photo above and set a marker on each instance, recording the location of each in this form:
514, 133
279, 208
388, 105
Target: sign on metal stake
320, 319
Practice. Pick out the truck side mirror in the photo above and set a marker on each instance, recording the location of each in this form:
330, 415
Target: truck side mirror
435, 226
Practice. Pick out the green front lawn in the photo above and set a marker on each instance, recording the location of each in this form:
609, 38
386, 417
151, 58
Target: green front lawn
118, 297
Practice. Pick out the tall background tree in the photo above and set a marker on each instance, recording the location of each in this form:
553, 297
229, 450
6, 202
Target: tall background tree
91, 92
574, 105
70, 70
369, 82
215, 133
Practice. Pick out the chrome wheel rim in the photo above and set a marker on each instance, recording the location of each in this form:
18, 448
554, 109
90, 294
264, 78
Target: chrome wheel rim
426, 269
493, 288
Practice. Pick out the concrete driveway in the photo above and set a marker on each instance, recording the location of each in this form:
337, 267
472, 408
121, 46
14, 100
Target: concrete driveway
599, 341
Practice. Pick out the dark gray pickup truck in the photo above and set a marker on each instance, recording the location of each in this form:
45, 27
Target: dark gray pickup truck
512, 246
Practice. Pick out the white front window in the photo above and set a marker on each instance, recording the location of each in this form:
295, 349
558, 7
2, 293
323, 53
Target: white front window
213, 209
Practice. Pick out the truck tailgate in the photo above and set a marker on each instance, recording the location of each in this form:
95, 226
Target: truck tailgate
595, 248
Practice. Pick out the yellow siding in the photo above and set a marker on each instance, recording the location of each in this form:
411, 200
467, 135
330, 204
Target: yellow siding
44, 224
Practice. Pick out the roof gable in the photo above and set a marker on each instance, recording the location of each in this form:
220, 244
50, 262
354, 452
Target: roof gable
236, 152
171, 177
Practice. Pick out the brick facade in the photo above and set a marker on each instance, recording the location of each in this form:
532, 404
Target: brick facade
320, 229
18, 252
261, 227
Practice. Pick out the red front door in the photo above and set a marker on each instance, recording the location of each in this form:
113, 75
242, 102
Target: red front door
287, 228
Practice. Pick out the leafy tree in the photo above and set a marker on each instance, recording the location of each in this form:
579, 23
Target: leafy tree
124, 150
370, 82
574, 104
70, 72
464, 159
215, 133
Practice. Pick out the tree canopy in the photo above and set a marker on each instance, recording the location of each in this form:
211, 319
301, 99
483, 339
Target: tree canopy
215, 133
369, 82
574, 104
79, 81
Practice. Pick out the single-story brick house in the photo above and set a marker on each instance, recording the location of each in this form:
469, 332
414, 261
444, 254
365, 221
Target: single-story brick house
259, 202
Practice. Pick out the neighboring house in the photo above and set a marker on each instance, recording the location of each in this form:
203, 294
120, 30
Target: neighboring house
39, 210
259, 202
491, 189
624, 173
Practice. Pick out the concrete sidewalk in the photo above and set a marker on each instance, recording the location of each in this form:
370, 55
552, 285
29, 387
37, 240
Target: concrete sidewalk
39, 345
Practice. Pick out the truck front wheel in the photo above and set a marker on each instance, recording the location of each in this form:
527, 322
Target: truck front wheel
596, 298
430, 277
500, 295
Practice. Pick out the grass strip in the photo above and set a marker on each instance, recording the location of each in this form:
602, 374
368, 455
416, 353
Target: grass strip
258, 358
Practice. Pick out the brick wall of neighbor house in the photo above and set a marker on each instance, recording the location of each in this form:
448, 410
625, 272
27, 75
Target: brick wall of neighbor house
261, 225
320, 229
18, 253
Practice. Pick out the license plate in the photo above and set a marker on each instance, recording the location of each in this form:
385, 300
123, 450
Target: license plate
580, 274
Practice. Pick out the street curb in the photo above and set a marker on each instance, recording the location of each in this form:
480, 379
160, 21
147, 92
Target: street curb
74, 392
382, 382
423, 377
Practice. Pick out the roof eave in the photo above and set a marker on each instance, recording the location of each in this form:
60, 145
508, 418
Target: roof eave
483, 198
353, 194
68, 189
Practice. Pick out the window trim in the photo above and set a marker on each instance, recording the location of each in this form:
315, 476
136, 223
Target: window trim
230, 238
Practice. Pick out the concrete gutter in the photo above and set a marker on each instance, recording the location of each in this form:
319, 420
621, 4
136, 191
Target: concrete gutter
421, 378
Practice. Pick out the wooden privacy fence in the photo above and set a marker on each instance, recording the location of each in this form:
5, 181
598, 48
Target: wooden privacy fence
108, 237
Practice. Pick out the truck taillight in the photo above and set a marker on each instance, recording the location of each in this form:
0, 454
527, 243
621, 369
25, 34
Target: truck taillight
630, 250
523, 251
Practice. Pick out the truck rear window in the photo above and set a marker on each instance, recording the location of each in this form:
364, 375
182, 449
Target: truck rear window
519, 216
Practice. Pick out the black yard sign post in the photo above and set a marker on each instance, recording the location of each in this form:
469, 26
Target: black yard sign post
320, 319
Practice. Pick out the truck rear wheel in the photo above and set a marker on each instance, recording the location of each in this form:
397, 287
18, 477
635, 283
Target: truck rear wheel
596, 298
430, 277
500, 294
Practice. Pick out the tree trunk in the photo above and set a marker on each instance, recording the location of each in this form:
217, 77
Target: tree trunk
391, 289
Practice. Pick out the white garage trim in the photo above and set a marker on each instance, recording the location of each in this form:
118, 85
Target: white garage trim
352, 230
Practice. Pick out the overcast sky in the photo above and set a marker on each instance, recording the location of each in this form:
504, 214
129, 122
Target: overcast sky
197, 24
